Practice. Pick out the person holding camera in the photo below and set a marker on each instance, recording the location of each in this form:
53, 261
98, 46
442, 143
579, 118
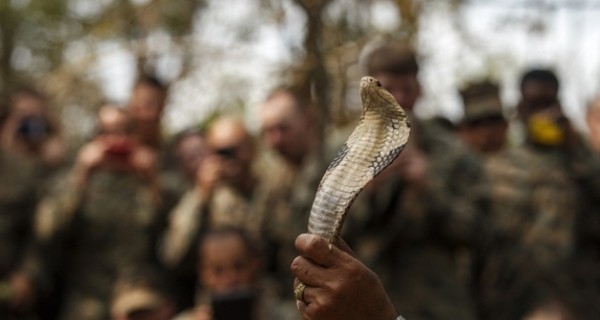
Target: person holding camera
28, 129
30, 150
101, 221
227, 192
537, 255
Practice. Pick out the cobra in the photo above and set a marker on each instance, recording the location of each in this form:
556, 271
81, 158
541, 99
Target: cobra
377, 140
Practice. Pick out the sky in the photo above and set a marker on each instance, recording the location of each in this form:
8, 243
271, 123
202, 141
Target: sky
486, 37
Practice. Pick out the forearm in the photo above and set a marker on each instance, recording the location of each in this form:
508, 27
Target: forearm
184, 223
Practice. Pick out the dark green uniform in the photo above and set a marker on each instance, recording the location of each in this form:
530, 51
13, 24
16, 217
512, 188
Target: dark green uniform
419, 239
20, 181
544, 202
98, 234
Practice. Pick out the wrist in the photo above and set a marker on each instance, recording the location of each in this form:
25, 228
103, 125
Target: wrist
79, 175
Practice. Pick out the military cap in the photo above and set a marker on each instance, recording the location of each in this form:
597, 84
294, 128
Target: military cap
481, 100
136, 299
392, 57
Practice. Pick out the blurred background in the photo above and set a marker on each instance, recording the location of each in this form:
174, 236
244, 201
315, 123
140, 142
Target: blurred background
219, 54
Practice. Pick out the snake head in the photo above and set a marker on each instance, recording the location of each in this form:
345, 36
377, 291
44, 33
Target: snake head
373, 94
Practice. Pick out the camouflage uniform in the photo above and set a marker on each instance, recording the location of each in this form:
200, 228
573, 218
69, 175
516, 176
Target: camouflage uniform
20, 180
293, 193
418, 239
540, 196
98, 234
192, 215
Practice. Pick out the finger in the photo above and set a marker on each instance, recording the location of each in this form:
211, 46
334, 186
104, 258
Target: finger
301, 306
317, 249
297, 283
309, 295
308, 272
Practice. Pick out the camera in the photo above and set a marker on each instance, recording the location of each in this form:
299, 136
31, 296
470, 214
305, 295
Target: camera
33, 128
119, 149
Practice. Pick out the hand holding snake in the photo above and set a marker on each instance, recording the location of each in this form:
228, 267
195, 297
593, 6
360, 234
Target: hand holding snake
378, 139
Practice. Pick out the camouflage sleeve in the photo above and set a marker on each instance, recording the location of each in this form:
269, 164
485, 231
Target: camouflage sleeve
184, 224
549, 232
584, 166
52, 217
457, 197
56, 210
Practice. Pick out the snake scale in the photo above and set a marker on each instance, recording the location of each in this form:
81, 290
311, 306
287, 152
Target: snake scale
379, 137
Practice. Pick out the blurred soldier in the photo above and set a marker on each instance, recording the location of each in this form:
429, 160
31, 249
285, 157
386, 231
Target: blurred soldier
423, 207
483, 126
298, 161
30, 130
541, 190
144, 295
30, 148
101, 221
227, 192
146, 107
190, 150
593, 122
231, 278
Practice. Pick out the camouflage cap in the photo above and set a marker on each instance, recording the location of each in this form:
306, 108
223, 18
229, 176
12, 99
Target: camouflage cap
392, 57
481, 100
136, 299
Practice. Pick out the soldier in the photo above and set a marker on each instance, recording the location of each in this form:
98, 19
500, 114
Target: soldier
593, 122
483, 126
541, 191
190, 150
30, 130
146, 107
101, 221
227, 192
231, 278
30, 150
424, 207
298, 160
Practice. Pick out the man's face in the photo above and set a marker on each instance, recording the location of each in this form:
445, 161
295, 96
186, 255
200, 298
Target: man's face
230, 143
536, 96
485, 137
30, 122
115, 135
146, 104
226, 265
404, 87
191, 151
284, 127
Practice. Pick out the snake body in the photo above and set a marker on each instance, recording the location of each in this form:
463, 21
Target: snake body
377, 140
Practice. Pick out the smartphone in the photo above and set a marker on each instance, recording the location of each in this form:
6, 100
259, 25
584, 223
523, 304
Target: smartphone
234, 306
